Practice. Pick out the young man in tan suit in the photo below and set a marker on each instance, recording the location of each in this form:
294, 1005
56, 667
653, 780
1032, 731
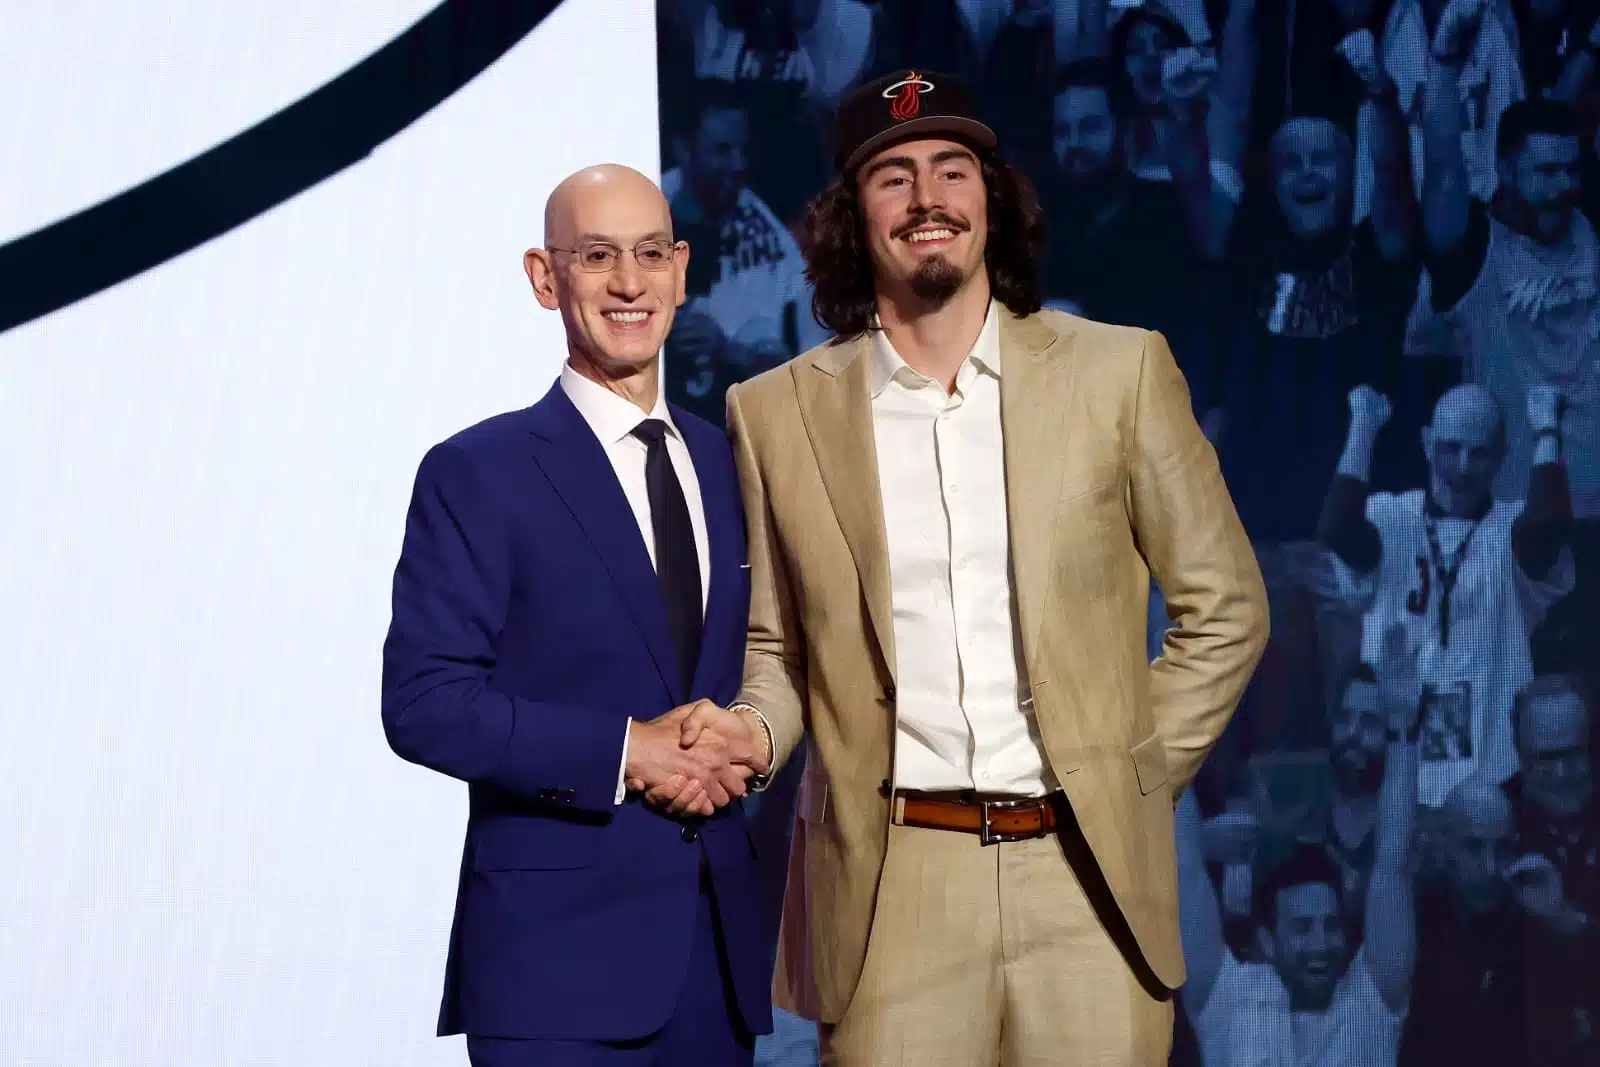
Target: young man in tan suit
955, 511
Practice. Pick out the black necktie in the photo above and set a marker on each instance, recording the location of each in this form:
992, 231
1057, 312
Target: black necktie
677, 563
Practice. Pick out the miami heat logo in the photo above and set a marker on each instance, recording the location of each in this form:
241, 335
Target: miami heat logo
905, 96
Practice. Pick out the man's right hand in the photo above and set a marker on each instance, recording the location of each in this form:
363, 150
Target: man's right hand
1457, 30
696, 336
1370, 410
698, 779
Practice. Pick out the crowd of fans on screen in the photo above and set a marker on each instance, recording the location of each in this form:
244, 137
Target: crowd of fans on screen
1365, 228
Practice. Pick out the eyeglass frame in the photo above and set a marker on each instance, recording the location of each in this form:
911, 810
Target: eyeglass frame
672, 247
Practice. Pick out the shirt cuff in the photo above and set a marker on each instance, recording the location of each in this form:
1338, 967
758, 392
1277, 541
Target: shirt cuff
759, 782
622, 769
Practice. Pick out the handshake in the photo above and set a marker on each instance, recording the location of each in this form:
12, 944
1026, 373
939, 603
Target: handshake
696, 758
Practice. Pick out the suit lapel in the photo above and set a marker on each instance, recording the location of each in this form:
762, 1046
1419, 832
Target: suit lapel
723, 533
836, 404
1036, 383
574, 461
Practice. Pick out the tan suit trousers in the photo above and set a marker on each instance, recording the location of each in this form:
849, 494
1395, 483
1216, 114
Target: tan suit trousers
992, 956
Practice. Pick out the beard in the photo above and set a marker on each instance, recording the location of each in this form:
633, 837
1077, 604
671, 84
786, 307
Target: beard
1356, 774
936, 280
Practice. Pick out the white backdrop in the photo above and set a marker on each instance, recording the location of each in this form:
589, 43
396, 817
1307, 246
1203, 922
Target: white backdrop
208, 855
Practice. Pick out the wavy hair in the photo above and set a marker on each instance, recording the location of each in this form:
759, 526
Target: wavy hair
839, 263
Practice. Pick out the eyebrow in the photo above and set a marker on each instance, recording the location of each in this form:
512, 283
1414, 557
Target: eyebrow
904, 162
947, 154
600, 238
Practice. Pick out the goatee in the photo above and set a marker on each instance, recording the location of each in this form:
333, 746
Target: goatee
936, 280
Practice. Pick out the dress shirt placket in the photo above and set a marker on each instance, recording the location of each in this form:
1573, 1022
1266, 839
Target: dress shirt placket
955, 465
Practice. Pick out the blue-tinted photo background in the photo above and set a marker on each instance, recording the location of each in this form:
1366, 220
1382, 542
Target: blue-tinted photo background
1271, 185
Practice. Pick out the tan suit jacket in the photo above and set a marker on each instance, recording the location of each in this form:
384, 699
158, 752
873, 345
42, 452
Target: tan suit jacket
1108, 482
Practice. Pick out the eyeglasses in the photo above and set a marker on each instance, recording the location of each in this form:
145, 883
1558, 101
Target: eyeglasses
598, 257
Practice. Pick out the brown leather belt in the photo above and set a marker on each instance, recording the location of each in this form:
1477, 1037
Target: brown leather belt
994, 820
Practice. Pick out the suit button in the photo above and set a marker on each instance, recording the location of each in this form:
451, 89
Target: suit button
690, 834
888, 693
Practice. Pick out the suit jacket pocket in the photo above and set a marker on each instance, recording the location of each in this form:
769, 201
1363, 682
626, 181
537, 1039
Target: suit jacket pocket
535, 843
1150, 763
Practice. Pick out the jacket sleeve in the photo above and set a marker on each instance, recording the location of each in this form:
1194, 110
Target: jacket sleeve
1199, 554
452, 589
775, 656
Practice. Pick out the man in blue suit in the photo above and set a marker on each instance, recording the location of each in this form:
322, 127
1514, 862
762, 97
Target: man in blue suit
572, 580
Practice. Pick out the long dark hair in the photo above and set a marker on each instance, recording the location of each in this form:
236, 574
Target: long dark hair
839, 264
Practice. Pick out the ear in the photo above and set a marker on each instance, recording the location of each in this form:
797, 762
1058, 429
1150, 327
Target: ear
1427, 441
541, 270
680, 266
1266, 943
680, 151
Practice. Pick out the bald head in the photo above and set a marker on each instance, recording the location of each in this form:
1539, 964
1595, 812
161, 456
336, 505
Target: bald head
612, 269
594, 189
1468, 413
1465, 443
1477, 810
1479, 843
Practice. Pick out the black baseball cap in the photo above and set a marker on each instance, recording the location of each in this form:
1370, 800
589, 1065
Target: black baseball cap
902, 106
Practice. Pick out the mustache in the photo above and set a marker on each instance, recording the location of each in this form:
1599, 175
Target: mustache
940, 217
1564, 202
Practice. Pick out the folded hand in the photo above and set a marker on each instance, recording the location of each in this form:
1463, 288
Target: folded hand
694, 759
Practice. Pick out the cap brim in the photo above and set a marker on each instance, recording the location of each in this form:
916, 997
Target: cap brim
969, 130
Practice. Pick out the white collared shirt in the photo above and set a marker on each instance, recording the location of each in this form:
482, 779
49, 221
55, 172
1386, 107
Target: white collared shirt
613, 419
965, 717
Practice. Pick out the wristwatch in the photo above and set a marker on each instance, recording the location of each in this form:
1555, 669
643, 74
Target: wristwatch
758, 782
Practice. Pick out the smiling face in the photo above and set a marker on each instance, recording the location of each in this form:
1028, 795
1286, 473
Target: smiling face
1311, 175
1542, 180
1083, 133
611, 268
715, 162
926, 214
1307, 943
1149, 44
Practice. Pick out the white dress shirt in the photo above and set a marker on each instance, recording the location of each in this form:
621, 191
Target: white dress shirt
965, 715
613, 420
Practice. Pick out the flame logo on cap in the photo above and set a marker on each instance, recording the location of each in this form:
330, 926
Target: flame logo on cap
905, 96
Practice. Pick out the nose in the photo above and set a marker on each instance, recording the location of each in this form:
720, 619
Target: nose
626, 280
925, 195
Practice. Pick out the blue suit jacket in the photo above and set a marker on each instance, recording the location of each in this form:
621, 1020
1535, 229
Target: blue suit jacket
528, 627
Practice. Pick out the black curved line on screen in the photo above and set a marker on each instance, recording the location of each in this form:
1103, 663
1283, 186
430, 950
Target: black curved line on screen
313, 139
